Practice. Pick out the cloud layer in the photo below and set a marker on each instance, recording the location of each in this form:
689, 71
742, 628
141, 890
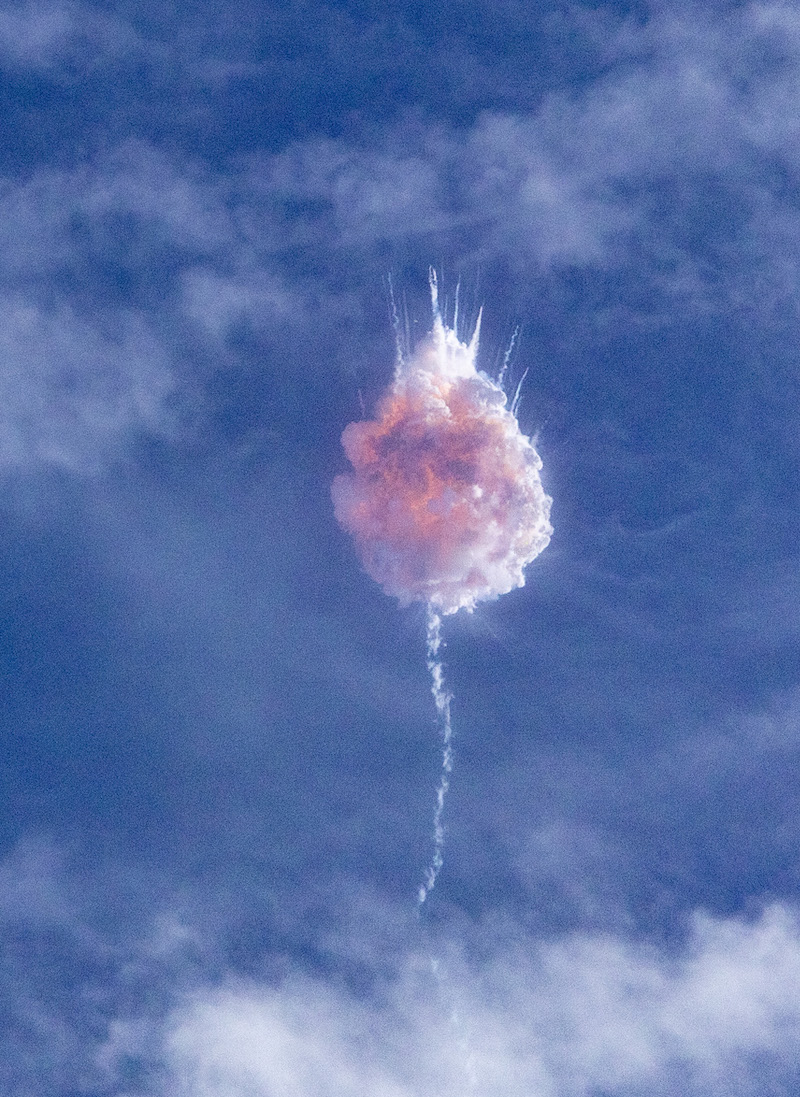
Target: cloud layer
568, 1018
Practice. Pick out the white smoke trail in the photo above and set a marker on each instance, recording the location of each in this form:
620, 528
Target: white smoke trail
501, 377
400, 334
442, 699
517, 395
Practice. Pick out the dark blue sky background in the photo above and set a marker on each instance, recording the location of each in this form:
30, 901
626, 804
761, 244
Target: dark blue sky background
219, 748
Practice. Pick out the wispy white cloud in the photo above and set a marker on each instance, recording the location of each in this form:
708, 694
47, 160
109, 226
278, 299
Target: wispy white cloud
361, 195
619, 170
216, 303
600, 174
502, 1012
569, 1018
55, 216
84, 366
34, 33
71, 391
669, 162
42, 34
32, 888
616, 173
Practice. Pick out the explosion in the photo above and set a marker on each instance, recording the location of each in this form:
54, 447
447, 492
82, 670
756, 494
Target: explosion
444, 502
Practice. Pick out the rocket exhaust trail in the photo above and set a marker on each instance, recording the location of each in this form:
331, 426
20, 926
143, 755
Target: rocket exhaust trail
442, 699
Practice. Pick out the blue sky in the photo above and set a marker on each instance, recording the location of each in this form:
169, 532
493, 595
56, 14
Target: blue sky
220, 751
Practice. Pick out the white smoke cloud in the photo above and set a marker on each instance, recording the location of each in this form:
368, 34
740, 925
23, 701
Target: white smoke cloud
445, 502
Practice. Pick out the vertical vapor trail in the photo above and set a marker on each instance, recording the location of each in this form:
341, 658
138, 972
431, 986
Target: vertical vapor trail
400, 335
501, 377
442, 700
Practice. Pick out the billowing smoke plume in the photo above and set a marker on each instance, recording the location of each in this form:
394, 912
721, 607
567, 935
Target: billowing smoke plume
444, 502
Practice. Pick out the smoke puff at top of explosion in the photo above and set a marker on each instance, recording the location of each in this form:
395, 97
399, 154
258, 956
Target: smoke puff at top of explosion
444, 502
